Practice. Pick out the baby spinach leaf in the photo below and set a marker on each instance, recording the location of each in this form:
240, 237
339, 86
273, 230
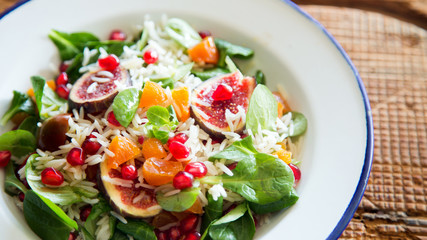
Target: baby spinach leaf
180, 31
73, 69
233, 215
70, 44
161, 122
180, 201
207, 74
112, 222
46, 219
283, 203
118, 235
164, 82
300, 124
48, 102
18, 142
213, 211
259, 77
21, 102
230, 64
139, 230
29, 124
99, 208
125, 105
237, 151
158, 115
182, 70
110, 46
262, 110
12, 185
233, 50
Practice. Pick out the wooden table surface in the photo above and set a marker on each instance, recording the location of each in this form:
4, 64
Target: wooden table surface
387, 41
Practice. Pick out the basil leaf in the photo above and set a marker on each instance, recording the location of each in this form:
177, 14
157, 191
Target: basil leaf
18, 142
259, 77
125, 105
300, 124
180, 201
69, 45
262, 110
12, 185
46, 98
21, 102
213, 211
99, 208
29, 124
182, 71
158, 115
207, 74
283, 203
180, 31
46, 219
139, 230
237, 151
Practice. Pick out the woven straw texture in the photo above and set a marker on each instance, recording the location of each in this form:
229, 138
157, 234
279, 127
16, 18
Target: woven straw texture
391, 57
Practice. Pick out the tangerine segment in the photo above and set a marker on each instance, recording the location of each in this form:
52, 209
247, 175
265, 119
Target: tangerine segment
286, 156
205, 51
50, 83
196, 208
153, 94
123, 149
153, 147
158, 172
181, 103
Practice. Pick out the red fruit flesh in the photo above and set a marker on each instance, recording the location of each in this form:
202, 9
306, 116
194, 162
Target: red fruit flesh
4, 158
296, 171
141, 139
63, 91
180, 137
161, 235
150, 56
129, 172
75, 157
183, 180
111, 118
117, 35
232, 166
179, 150
63, 67
204, 34
109, 63
62, 79
189, 223
84, 213
21, 196
174, 233
197, 169
222, 92
193, 236
73, 236
90, 146
51, 176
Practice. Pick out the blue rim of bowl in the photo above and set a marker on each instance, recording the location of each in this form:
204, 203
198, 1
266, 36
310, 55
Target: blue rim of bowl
364, 176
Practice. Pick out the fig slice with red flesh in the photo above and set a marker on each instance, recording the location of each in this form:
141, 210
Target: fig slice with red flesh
210, 114
102, 89
122, 198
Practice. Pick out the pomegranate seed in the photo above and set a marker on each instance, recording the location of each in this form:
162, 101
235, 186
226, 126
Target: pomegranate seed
62, 79
141, 139
84, 213
179, 150
189, 223
174, 233
75, 157
150, 56
197, 169
90, 147
129, 172
73, 236
232, 166
222, 92
193, 236
256, 222
183, 180
21, 196
4, 158
63, 67
204, 34
92, 135
51, 176
161, 235
63, 91
109, 63
111, 118
230, 208
117, 35
297, 172
180, 137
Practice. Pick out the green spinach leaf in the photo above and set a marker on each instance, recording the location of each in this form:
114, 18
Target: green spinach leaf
161, 121
180, 31
125, 105
12, 185
118, 235
233, 215
46, 219
228, 49
158, 115
99, 208
207, 74
182, 70
237, 151
139, 230
18, 142
283, 203
262, 110
213, 211
48, 102
300, 124
180, 201
70, 44
21, 102
29, 124
259, 77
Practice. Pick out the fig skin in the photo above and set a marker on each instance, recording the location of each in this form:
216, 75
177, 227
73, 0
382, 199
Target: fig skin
100, 100
216, 124
51, 134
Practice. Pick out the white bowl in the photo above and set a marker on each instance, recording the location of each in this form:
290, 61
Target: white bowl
290, 47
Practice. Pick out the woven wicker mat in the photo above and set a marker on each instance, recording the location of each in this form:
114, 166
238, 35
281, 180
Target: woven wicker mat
391, 57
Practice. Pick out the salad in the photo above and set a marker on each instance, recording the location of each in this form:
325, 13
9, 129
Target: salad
158, 136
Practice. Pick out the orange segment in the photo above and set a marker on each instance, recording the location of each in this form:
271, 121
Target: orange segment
205, 51
181, 103
197, 207
158, 172
153, 147
282, 104
153, 94
50, 83
123, 149
284, 155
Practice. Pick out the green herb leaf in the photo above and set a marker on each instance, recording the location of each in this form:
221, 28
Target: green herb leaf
73, 69
233, 50
118, 235
259, 77
125, 105
99, 208
237, 151
163, 81
142, 41
46, 98
178, 202
21, 102
18, 142
207, 74
161, 122
158, 115
300, 124
262, 110
233, 215
182, 70
213, 211
283, 203
29, 124
46, 219
139, 230
230, 64
69, 45
180, 31
12, 185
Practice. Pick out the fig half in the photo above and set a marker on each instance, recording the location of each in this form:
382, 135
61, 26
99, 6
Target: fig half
95, 91
210, 114
122, 198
